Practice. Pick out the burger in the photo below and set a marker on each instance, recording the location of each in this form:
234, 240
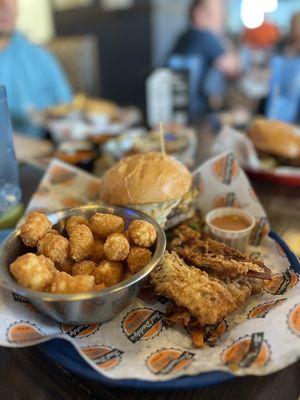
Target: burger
276, 140
153, 183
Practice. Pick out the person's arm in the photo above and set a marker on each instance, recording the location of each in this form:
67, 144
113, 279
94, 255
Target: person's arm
226, 61
229, 63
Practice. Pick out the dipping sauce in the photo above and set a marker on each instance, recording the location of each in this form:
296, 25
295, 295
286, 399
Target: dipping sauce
231, 222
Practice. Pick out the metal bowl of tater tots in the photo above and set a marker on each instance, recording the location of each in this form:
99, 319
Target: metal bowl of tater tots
81, 265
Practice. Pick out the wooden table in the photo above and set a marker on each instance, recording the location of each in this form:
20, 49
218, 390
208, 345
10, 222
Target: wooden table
27, 375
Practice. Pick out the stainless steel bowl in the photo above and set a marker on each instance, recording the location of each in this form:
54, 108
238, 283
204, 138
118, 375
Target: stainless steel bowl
88, 307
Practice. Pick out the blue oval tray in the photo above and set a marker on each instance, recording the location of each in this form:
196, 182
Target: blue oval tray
65, 354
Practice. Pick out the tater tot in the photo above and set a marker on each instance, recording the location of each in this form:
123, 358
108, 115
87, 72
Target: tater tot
67, 284
103, 225
66, 266
100, 286
75, 220
83, 268
55, 247
34, 228
142, 233
33, 272
81, 242
137, 258
98, 251
108, 272
116, 247
127, 274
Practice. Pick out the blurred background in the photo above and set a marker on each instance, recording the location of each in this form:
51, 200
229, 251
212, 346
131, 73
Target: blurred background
90, 81
109, 47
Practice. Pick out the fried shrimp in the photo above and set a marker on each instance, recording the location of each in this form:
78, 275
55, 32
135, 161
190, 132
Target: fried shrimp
207, 299
215, 257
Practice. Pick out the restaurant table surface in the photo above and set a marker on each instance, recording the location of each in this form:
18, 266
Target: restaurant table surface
27, 374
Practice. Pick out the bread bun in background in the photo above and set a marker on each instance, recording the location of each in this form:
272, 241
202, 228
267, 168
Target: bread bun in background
275, 138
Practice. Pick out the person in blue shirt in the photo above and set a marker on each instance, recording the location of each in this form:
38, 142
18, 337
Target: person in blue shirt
32, 76
205, 38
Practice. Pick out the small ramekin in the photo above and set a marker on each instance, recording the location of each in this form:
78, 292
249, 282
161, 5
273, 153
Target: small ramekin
237, 239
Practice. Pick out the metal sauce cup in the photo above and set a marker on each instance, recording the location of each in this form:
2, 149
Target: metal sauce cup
87, 307
237, 239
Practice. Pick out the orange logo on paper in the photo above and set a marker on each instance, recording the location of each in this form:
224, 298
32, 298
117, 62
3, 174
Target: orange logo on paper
260, 231
215, 331
69, 202
226, 200
92, 190
20, 332
79, 331
25, 302
294, 320
262, 310
226, 169
105, 357
142, 324
198, 183
60, 175
246, 352
280, 283
165, 361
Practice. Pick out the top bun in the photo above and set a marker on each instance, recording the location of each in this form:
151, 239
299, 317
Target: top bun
145, 178
275, 137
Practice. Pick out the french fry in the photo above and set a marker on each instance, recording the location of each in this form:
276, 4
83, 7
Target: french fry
198, 337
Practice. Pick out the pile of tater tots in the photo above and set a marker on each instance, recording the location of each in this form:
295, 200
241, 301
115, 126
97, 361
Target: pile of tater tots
94, 254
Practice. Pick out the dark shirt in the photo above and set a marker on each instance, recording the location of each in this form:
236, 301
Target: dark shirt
206, 45
199, 42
